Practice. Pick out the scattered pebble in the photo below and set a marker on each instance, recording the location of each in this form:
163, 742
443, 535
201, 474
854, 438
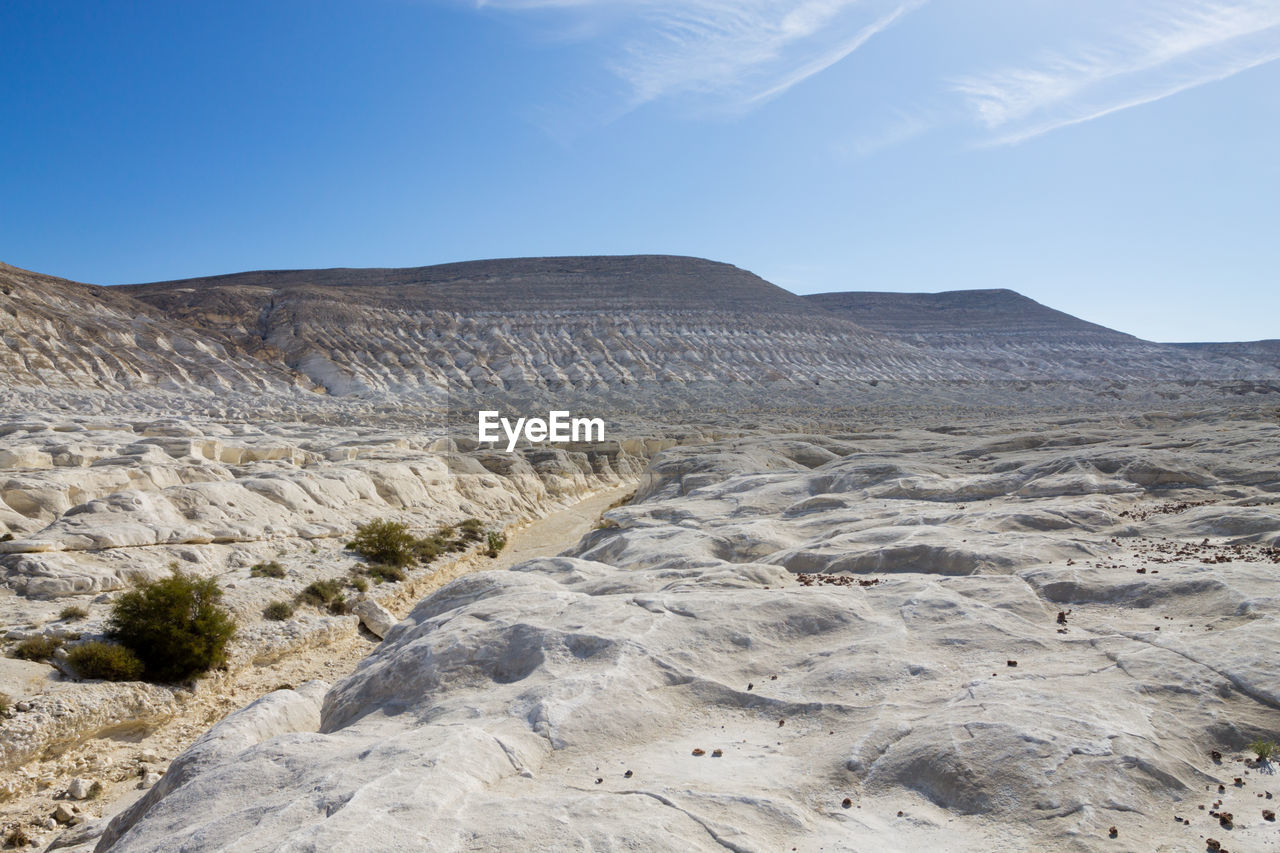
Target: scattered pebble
80, 789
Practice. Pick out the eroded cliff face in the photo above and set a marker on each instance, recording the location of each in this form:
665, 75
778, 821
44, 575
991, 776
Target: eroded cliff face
636, 332
62, 335
90, 507
581, 322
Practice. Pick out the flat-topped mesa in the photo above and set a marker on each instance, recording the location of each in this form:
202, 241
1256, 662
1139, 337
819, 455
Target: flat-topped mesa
588, 322
997, 312
1005, 333
1263, 352
621, 283
64, 335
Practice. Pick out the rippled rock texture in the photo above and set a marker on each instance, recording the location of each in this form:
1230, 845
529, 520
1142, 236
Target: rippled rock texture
995, 637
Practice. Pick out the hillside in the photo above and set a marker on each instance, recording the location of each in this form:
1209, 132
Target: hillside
585, 322
63, 335
1005, 333
648, 333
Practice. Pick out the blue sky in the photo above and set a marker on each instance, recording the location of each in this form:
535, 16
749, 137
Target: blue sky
1117, 160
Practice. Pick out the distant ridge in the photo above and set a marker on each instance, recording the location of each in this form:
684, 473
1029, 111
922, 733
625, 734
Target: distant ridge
620, 282
606, 321
958, 312
1002, 332
632, 329
1263, 352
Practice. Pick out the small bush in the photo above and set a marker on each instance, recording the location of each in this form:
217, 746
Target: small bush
339, 605
383, 574
95, 790
1264, 749
18, 837
320, 593
105, 661
433, 546
8, 537
5, 701
73, 614
175, 625
496, 542
267, 570
471, 530
278, 611
386, 542
37, 648
360, 584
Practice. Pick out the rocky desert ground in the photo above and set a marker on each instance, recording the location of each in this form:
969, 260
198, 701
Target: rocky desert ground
861, 572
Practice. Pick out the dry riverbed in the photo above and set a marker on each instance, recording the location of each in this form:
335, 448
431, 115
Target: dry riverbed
128, 761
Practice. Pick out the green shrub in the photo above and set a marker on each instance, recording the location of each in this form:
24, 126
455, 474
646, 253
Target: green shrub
105, 661
339, 605
433, 546
384, 541
175, 626
278, 611
5, 701
73, 614
496, 542
320, 593
1264, 749
471, 530
386, 573
267, 570
360, 584
37, 648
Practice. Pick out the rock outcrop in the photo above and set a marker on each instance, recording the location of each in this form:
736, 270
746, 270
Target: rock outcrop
1005, 638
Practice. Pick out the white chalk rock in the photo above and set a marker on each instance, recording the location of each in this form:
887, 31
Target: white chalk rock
375, 617
80, 788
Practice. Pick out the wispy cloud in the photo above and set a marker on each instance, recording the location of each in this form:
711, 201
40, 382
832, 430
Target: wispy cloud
1011, 68
1171, 47
738, 53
